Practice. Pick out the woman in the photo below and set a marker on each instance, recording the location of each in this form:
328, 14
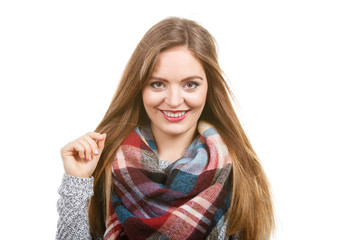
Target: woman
170, 159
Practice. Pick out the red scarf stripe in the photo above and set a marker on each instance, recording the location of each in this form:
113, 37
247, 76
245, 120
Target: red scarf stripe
178, 228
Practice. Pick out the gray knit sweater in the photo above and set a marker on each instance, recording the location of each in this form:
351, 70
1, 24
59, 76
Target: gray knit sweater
72, 207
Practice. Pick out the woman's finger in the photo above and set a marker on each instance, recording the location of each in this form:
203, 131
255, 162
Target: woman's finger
92, 143
101, 143
95, 136
88, 150
79, 149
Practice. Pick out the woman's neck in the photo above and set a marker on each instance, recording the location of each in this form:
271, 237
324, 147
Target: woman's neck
172, 147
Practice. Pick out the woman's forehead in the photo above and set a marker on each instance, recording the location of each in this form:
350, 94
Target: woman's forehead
178, 62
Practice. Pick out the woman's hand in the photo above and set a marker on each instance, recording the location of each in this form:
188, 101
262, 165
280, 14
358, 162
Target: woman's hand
81, 156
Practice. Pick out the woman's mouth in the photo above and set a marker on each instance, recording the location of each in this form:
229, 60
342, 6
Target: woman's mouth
174, 116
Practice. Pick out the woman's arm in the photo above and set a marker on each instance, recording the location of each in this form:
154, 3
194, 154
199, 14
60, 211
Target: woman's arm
72, 207
80, 158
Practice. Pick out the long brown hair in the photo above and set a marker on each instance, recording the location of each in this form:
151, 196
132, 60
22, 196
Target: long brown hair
251, 211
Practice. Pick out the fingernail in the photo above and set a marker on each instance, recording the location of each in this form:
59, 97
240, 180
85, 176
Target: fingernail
96, 151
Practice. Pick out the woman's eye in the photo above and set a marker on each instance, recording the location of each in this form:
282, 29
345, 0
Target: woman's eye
157, 84
191, 85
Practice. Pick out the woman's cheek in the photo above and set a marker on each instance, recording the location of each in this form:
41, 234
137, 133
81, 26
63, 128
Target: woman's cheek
197, 100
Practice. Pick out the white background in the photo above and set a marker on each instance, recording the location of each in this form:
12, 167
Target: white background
294, 67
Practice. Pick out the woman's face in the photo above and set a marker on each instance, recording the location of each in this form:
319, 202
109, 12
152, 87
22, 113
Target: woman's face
175, 94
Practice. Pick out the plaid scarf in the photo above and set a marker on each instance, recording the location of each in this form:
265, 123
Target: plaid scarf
189, 201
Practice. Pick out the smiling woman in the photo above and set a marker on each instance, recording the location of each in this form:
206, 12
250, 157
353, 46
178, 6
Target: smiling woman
174, 98
170, 159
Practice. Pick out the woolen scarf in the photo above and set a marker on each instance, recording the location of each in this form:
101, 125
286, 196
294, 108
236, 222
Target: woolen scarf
188, 201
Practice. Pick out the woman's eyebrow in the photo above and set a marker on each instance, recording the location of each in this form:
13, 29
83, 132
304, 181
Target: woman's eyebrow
183, 80
192, 77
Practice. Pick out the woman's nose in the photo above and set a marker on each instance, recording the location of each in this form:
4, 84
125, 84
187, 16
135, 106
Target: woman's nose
174, 97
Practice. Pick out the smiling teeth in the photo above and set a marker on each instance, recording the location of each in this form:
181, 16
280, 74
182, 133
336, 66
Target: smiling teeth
174, 115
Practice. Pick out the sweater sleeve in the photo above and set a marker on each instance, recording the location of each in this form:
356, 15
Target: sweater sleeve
72, 207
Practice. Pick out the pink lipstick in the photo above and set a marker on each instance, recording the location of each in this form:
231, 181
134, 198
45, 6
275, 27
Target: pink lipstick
174, 116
